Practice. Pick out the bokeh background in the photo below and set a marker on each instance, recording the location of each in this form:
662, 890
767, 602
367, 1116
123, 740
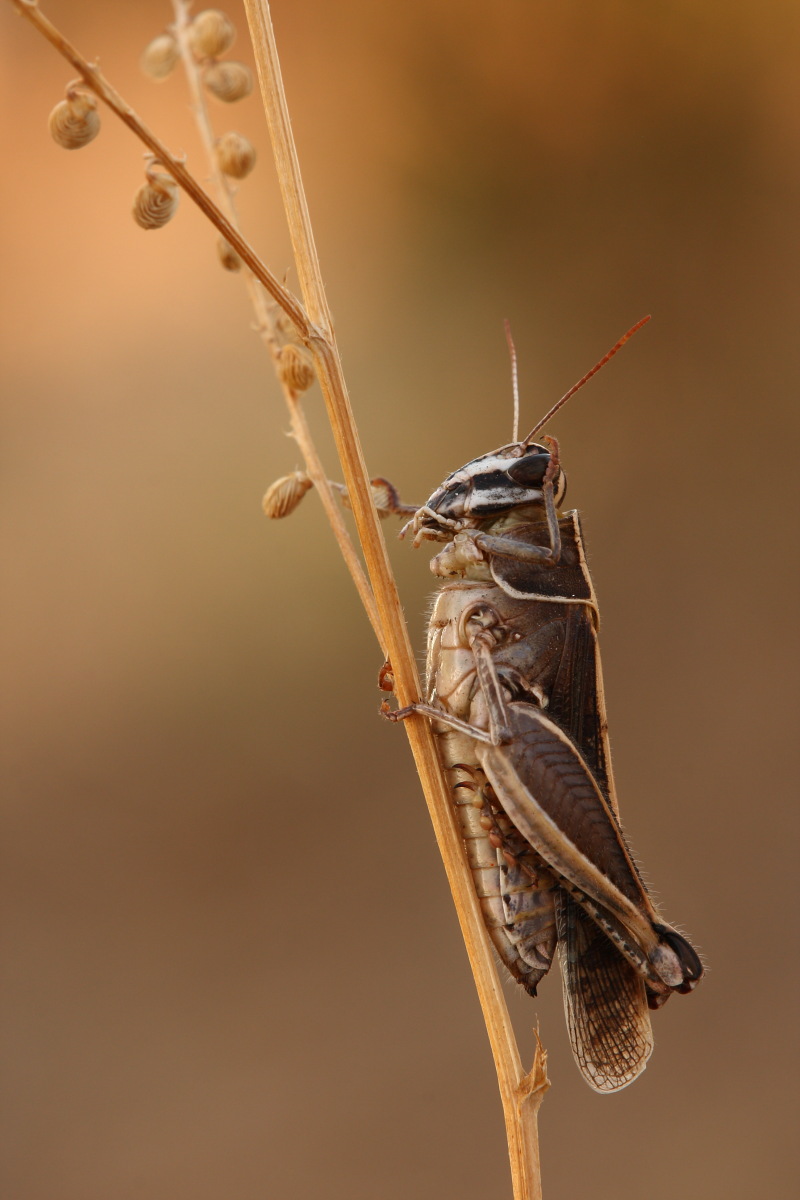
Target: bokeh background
230, 965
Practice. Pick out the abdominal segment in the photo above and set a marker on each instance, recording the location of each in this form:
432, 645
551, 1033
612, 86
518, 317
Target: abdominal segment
513, 885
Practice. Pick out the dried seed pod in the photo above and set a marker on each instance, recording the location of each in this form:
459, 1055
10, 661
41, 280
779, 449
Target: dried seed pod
235, 155
296, 367
227, 255
160, 56
283, 496
211, 34
156, 200
74, 122
228, 81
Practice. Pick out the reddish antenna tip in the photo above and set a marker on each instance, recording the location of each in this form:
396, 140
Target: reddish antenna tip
617, 346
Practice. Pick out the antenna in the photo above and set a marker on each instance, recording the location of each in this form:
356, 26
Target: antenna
617, 346
514, 378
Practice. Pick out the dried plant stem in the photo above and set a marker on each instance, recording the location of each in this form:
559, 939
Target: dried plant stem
267, 330
521, 1094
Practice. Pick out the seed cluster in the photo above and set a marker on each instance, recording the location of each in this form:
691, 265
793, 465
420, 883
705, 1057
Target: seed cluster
200, 43
210, 34
74, 122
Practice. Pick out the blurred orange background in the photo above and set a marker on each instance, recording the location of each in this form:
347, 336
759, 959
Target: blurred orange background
230, 963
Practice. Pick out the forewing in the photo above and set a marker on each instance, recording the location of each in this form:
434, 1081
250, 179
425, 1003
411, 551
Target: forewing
552, 797
575, 697
604, 1000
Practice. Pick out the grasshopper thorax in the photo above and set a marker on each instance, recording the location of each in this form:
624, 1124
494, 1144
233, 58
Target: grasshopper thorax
488, 487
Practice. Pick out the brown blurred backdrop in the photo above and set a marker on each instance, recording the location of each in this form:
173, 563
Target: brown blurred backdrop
230, 966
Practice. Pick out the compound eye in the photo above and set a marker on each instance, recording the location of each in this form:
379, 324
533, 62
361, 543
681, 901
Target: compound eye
529, 471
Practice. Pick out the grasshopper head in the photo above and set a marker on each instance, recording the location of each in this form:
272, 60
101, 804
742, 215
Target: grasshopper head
508, 478
489, 486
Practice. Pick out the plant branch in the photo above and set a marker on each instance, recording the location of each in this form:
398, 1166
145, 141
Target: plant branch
521, 1094
258, 273
94, 80
267, 330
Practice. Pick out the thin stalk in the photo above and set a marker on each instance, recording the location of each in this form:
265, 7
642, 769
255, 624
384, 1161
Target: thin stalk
266, 326
521, 1093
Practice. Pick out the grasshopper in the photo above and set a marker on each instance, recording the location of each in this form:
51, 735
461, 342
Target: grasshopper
515, 695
